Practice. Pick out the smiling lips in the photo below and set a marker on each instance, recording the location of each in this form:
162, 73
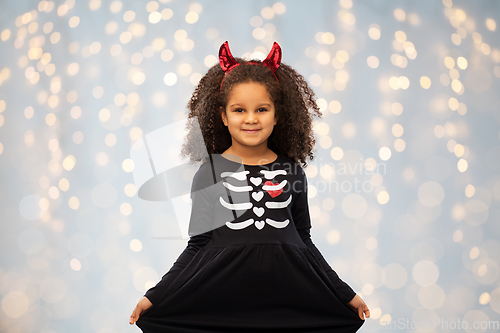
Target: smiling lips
251, 131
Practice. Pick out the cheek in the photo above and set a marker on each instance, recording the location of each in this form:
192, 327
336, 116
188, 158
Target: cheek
232, 124
233, 120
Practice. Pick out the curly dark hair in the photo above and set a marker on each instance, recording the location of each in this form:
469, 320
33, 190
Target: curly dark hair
294, 103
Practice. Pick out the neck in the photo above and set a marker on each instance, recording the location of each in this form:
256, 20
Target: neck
260, 154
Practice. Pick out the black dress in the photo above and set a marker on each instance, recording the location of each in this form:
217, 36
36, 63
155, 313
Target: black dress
250, 264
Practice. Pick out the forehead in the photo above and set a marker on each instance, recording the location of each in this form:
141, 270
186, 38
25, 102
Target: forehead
249, 91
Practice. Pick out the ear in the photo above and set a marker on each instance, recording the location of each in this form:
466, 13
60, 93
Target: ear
275, 119
223, 115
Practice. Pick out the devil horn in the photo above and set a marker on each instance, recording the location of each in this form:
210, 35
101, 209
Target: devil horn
273, 59
226, 59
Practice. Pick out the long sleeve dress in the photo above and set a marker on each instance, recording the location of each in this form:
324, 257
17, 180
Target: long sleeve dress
250, 264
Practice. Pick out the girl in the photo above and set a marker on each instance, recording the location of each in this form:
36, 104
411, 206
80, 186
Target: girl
250, 264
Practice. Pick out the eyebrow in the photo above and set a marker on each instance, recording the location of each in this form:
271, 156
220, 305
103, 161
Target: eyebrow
235, 104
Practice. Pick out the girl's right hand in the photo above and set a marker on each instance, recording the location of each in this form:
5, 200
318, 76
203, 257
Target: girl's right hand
359, 306
140, 308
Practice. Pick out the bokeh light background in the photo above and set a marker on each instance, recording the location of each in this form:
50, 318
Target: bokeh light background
409, 134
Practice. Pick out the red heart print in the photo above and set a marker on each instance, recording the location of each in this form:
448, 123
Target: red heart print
273, 193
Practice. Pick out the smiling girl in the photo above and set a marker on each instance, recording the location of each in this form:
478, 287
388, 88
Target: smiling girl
250, 118
250, 264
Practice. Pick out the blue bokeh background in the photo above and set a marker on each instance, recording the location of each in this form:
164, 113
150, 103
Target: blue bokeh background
419, 243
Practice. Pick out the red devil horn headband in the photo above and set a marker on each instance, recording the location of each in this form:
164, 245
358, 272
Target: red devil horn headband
227, 62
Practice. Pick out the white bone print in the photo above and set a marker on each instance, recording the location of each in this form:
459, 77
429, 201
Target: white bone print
240, 175
271, 174
277, 224
237, 206
274, 187
281, 204
256, 180
257, 195
237, 188
259, 224
259, 211
239, 225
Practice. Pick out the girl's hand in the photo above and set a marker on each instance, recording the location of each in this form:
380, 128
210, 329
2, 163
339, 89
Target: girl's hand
140, 308
359, 306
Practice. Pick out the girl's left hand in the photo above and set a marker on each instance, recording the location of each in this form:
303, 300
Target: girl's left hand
359, 306
141, 307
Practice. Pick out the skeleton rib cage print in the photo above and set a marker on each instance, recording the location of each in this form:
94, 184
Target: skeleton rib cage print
235, 196
258, 190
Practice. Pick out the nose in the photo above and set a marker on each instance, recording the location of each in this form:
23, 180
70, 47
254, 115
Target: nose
251, 117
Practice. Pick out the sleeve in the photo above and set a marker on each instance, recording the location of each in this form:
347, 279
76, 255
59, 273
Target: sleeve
199, 232
300, 211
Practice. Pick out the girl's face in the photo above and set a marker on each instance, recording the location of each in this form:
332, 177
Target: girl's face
250, 115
